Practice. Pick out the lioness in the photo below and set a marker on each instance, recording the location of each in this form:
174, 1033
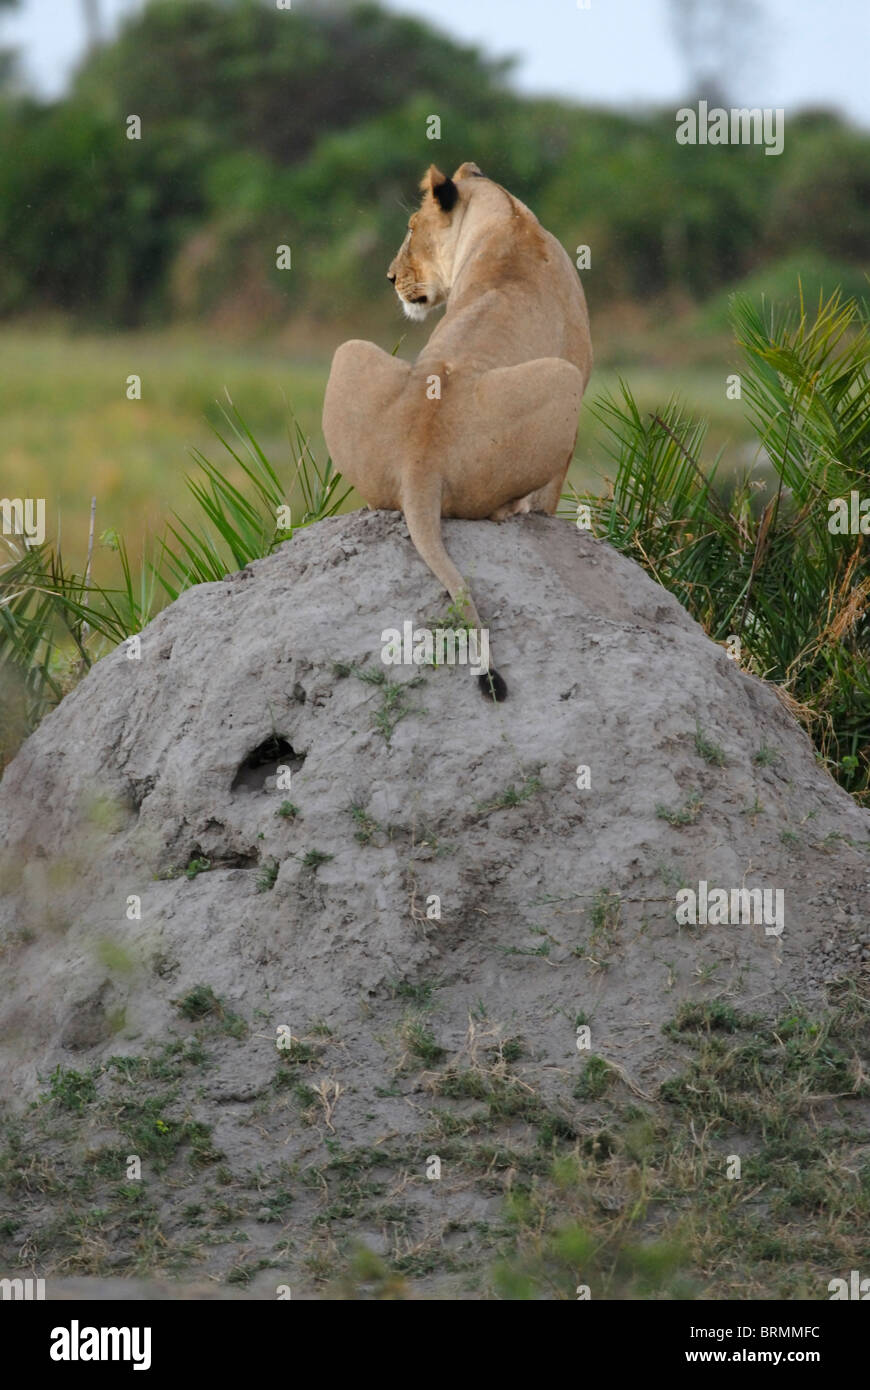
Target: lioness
483, 424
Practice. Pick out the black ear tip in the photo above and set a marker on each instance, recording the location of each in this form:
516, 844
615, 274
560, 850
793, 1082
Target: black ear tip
446, 194
492, 686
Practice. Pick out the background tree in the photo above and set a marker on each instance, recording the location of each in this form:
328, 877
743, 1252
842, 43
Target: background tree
7, 55
93, 25
717, 42
309, 127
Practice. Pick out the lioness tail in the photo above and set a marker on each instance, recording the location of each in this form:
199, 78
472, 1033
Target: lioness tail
422, 510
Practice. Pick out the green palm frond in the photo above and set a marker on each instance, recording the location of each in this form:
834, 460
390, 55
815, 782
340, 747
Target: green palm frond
766, 568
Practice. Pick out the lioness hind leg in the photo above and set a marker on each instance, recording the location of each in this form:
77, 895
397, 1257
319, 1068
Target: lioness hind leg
363, 396
546, 498
531, 412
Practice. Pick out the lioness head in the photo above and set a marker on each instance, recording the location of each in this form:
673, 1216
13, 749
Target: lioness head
422, 270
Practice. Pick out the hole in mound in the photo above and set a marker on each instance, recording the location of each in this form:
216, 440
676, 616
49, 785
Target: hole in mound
239, 859
264, 761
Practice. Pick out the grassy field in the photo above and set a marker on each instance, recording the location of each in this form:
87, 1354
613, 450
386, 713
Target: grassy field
70, 433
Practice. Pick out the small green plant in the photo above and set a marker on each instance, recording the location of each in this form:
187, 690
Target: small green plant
288, 810
71, 1090
456, 611
713, 1016
419, 994
605, 912
268, 876
394, 699
197, 866
686, 814
198, 1003
595, 1079
420, 1040
542, 950
765, 756
201, 1002
706, 749
372, 675
604, 916
513, 796
297, 1053
512, 1049
313, 858
366, 825
305, 1097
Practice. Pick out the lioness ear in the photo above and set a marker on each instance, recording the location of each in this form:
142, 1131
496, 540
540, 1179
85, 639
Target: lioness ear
443, 190
467, 171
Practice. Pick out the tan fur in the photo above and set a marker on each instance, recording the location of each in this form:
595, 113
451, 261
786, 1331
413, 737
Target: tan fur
512, 356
